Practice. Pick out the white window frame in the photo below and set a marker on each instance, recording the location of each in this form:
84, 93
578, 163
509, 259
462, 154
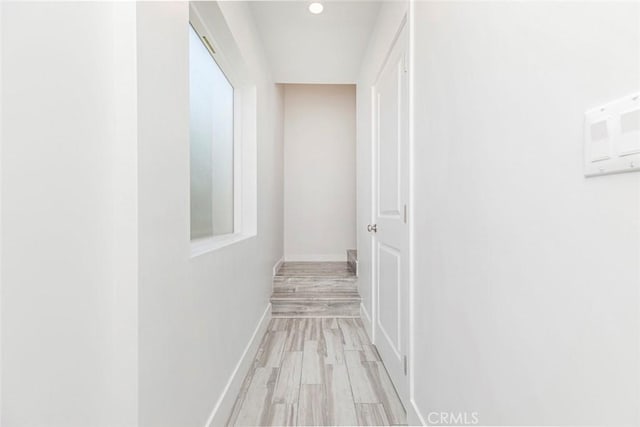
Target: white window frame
244, 130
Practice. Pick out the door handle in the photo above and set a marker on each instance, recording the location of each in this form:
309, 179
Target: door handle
373, 228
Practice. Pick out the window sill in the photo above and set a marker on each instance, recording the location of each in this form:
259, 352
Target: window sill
210, 244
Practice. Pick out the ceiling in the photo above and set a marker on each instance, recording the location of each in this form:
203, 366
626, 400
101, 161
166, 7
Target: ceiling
306, 48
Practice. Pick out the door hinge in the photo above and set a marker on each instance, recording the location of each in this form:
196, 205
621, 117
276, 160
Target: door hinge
405, 365
405, 214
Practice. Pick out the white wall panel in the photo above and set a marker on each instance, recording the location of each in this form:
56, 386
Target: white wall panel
527, 278
320, 198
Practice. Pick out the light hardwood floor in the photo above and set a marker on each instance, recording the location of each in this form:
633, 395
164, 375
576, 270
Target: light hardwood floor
317, 371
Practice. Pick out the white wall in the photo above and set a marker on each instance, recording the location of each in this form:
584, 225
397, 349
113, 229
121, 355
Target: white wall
319, 172
196, 314
1, 258
526, 273
106, 320
68, 231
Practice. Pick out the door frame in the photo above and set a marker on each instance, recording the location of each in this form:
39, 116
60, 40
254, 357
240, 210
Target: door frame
404, 25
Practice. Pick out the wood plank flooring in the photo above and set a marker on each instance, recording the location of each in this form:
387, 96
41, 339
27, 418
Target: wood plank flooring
317, 371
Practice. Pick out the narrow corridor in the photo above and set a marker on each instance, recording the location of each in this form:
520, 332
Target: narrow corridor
346, 212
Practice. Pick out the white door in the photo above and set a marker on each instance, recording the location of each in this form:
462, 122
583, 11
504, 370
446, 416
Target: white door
390, 231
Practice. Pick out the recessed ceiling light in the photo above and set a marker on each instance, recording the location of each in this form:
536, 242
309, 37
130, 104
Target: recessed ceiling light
316, 8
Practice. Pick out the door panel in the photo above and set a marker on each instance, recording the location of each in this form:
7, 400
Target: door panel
391, 196
389, 295
389, 168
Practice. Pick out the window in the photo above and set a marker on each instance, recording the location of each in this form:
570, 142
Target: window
212, 142
223, 135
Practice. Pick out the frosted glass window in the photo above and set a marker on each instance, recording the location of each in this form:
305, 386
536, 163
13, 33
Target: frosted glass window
211, 143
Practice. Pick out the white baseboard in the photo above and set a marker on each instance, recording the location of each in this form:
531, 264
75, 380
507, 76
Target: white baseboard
366, 320
317, 257
277, 265
414, 417
223, 406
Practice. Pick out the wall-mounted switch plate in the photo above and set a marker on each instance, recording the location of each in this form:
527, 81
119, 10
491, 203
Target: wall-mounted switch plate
612, 137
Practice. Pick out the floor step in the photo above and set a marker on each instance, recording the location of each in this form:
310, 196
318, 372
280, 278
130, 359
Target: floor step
314, 304
314, 284
352, 260
315, 269
315, 289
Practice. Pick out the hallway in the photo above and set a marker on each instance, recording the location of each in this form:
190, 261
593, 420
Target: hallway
345, 212
317, 371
